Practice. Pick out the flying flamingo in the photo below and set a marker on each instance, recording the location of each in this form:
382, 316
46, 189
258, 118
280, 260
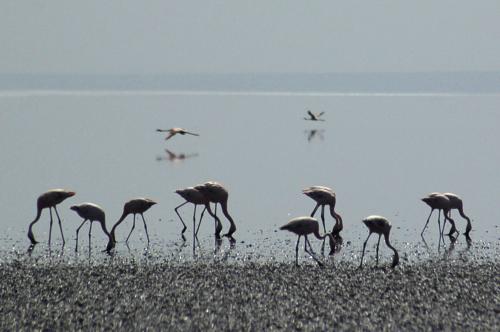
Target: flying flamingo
91, 212
216, 193
440, 202
456, 203
303, 226
174, 131
325, 196
134, 206
196, 197
381, 226
49, 200
314, 116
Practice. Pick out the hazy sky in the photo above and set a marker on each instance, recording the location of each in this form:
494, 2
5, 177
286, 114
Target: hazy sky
248, 36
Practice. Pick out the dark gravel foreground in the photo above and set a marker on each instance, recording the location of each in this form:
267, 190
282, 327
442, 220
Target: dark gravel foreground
131, 295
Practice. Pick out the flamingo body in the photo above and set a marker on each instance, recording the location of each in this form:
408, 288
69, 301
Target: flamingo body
174, 131
196, 197
325, 196
457, 204
91, 212
380, 226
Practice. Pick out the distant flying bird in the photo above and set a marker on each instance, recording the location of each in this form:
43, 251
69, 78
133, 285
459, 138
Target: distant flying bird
216, 193
173, 131
314, 116
90, 212
134, 206
303, 226
381, 226
49, 200
456, 203
440, 202
196, 197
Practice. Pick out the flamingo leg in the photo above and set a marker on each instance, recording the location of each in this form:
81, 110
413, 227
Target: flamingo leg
378, 244
133, 226
297, 252
199, 223
311, 251
145, 227
182, 221
194, 230
428, 218
77, 230
60, 225
324, 228
218, 225
364, 247
50, 227
90, 235
453, 229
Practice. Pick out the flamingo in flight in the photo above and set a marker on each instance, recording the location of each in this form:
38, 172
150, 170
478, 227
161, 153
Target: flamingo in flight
216, 193
314, 116
49, 200
134, 206
457, 204
196, 197
174, 131
90, 212
380, 226
438, 201
325, 196
304, 226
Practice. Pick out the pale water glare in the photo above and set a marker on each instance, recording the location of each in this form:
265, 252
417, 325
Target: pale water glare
380, 153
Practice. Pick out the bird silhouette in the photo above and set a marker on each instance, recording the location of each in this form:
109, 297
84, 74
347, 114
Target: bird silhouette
174, 131
325, 196
216, 193
314, 116
381, 226
303, 226
134, 206
442, 203
457, 204
49, 200
90, 212
196, 197
312, 133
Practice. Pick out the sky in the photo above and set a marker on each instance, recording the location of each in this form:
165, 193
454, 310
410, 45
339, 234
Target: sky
162, 37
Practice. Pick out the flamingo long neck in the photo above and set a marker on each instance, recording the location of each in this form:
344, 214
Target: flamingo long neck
104, 229
469, 226
395, 260
232, 228
124, 215
339, 225
30, 231
319, 236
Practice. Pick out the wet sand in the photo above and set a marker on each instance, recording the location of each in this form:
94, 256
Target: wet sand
137, 295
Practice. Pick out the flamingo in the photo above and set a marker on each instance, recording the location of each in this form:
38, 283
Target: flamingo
134, 206
49, 200
175, 157
303, 226
174, 131
216, 193
440, 202
325, 196
381, 226
91, 212
196, 197
314, 116
456, 203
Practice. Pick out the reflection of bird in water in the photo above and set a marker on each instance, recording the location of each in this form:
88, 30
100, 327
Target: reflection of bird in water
173, 131
314, 116
175, 157
311, 133
49, 200
381, 226
91, 212
456, 203
216, 193
134, 206
440, 202
303, 226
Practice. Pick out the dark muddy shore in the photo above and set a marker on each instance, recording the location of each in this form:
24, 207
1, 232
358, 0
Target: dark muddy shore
133, 295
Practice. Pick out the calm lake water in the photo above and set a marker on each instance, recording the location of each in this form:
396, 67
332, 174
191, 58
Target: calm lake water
380, 153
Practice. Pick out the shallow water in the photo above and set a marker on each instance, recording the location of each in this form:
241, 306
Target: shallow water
380, 153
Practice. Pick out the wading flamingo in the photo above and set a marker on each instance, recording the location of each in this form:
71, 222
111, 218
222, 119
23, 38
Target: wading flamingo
174, 131
314, 116
303, 226
456, 203
381, 226
438, 201
134, 206
216, 193
325, 196
91, 212
196, 197
49, 200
